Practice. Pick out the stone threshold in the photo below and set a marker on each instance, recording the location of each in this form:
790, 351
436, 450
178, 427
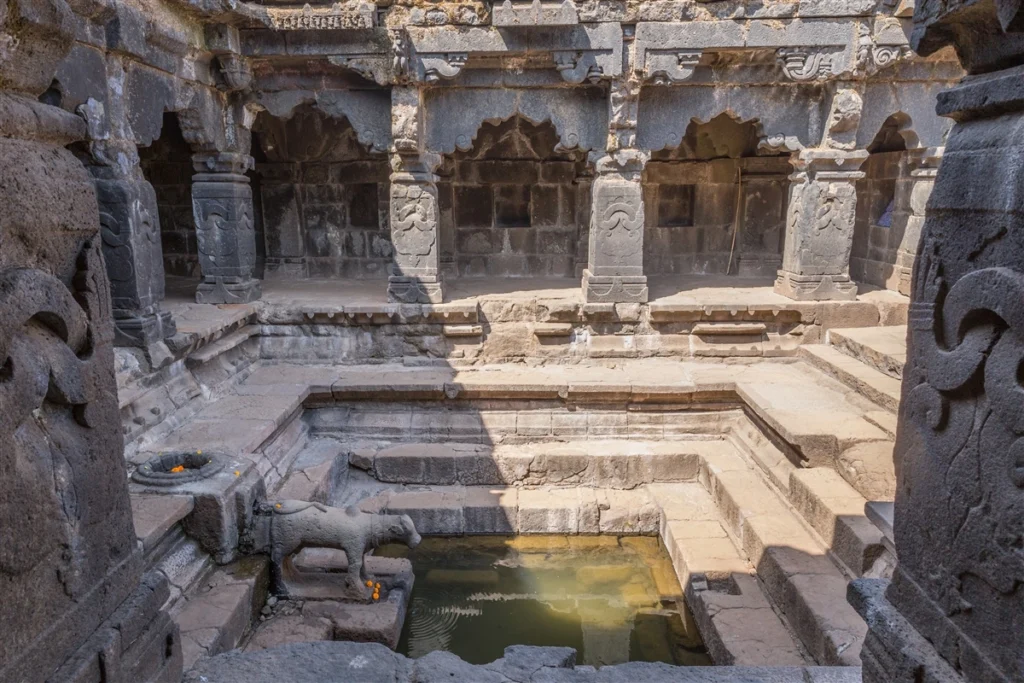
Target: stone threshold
334, 662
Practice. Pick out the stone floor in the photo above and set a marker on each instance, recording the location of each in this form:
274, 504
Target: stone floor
754, 472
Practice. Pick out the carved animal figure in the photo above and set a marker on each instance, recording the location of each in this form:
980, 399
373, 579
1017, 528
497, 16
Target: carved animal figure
299, 524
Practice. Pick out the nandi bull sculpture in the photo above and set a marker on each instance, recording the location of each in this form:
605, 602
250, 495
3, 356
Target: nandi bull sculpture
292, 525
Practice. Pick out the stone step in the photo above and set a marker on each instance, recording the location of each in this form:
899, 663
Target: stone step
607, 463
220, 610
883, 348
865, 379
825, 423
458, 510
836, 512
156, 516
736, 620
792, 564
320, 470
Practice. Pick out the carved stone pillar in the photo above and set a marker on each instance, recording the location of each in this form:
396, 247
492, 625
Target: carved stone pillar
819, 225
615, 260
223, 213
130, 227
954, 610
415, 220
924, 165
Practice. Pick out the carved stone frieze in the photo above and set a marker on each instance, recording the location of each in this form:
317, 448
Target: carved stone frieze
352, 14
511, 14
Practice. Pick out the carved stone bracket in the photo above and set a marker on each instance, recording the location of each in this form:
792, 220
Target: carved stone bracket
235, 72
431, 68
806, 64
664, 68
578, 66
522, 14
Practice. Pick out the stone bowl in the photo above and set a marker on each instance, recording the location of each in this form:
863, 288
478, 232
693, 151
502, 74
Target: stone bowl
158, 471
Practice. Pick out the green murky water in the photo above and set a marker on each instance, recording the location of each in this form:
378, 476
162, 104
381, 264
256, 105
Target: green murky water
614, 599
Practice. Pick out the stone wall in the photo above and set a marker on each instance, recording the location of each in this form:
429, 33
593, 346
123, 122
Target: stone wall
323, 199
692, 218
509, 205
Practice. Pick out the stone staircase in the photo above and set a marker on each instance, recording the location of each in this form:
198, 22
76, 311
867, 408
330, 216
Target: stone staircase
869, 360
754, 475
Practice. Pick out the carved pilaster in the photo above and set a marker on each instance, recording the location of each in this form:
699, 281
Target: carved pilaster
615, 261
223, 213
132, 251
414, 226
819, 225
924, 166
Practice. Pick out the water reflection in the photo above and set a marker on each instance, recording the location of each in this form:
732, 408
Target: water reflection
613, 599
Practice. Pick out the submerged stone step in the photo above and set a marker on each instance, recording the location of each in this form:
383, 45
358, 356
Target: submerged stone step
883, 348
220, 609
608, 463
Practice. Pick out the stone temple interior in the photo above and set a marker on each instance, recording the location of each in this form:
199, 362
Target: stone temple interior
719, 286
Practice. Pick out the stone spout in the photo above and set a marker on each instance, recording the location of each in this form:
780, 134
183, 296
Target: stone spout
292, 525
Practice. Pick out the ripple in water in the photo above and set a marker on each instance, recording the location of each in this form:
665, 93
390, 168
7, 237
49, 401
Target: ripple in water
474, 597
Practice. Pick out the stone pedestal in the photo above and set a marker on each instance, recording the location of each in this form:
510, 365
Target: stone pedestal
819, 226
615, 261
954, 610
223, 213
414, 231
130, 228
924, 165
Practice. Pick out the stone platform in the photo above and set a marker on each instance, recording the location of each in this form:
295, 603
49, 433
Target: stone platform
351, 321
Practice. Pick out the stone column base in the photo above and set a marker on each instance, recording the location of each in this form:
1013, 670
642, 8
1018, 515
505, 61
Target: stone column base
415, 290
144, 330
216, 291
894, 651
617, 289
815, 287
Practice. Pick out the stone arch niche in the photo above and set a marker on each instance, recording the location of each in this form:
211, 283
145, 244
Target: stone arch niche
166, 164
885, 233
715, 203
323, 196
511, 204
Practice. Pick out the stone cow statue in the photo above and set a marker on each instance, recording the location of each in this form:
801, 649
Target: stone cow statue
296, 524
